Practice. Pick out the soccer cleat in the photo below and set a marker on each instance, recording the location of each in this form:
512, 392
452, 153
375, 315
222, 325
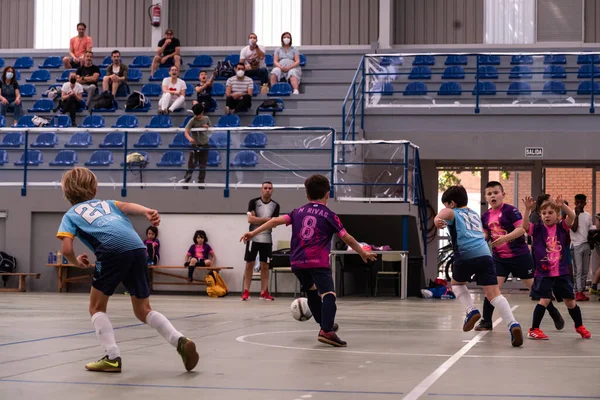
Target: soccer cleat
105, 365
585, 334
470, 320
484, 325
246, 295
516, 334
266, 296
187, 350
331, 338
559, 322
536, 334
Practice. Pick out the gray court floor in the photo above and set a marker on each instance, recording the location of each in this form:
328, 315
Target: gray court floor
396, 350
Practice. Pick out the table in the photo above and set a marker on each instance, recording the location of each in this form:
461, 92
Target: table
403, 266
63, 279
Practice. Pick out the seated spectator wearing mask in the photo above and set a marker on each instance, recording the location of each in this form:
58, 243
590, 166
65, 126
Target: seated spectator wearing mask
253, 58
238, 91
287, 63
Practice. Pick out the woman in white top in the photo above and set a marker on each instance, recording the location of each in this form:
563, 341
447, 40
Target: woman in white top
173, 96
287, 63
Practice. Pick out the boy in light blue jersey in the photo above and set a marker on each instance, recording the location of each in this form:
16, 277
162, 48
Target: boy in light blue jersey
472, 257
120, 257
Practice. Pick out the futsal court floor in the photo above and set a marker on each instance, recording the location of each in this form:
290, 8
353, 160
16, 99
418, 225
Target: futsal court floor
409, 349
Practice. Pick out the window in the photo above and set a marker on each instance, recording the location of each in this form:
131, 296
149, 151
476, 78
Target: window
273, 17
55, 23
509, 21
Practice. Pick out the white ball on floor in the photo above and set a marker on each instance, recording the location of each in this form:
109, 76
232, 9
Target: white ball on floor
427, 294
300, 310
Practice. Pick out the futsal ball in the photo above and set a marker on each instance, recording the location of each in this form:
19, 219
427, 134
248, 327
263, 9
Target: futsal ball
300, 310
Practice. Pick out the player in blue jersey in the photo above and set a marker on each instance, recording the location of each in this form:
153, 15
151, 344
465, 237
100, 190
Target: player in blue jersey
120, 257
472, 257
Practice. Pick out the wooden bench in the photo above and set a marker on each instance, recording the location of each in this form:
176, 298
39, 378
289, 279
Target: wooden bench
63, 278
22, 276
154, 270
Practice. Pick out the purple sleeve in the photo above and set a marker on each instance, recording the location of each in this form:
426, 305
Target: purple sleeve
208, 249
289, 217
191, 251
515, 217
484, 221
333, 221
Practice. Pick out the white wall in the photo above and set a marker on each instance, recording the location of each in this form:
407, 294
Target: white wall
223, 232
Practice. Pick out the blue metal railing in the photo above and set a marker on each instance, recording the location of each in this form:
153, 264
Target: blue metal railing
355, 104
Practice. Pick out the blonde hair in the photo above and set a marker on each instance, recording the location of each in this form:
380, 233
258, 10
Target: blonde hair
79, 185
550, 204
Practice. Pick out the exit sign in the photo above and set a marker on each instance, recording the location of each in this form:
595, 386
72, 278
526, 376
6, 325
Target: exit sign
534, 152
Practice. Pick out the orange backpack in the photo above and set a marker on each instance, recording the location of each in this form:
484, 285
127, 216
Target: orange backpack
215, 285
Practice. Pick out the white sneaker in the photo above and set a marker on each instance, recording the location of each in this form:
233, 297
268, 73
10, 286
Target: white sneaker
296, 91
227, 111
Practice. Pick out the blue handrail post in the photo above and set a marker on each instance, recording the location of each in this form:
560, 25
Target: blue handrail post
362, 94
228, 157
332, 189
405, 172
344, 121
24, 188
592, 106
477, 86
354, 110
124, 188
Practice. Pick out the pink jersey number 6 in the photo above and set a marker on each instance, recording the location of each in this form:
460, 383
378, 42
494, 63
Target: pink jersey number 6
309, 224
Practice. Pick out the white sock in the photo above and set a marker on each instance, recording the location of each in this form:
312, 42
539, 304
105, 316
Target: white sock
106, 335
159, 322
463, 295
501, 304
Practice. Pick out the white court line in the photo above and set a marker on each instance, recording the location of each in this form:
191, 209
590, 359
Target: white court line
422, 387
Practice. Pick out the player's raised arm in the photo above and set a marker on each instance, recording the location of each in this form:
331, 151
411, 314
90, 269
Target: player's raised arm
132, 208
272, 223
445, 215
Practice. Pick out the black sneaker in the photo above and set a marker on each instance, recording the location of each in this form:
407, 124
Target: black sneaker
331, 338
484, 326
559, 322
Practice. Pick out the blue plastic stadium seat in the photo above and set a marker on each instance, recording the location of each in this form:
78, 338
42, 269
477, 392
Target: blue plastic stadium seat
191, 74
489, 60
485, 89
134, 75
139, 164
34, 157
385, 88
101, 76
214, 158
212, 107
159, 75
141, 62
269, 61
587, 59
201, 61
25, 122
518, 60
42, 106
179, 141
415, 89
519, 89
456, 60
218, 89
585, 88
27, 90
450, 89
255, 140
554, 87
100, 158
106, 62
555, 59
3, 157
149, 139
280, 89
65, 75
585, 72
80, 140
420, 73
454, 72
114, 107
46, 139
65, 158
488, 72
51, 62
152, 90
123, 91
2, 121
255, 90
520, 72
280, 106
233, 59
185, 121
171, 158
113, 139
555, 72
23, 63
246, 158
41, 75
218, 140
160, 121
228, 121
93, 121
18, 75
13, 139
302, 60
1, 62
61, 121
263, 120
424, 60
126, 121
189, 90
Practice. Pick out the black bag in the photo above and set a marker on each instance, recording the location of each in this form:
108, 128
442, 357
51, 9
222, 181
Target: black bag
225, 69
280, 258
135, 100
268, 105
105, 100
7, 264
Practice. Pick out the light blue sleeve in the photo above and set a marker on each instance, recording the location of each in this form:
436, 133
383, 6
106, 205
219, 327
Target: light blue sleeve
67, 227
451, 221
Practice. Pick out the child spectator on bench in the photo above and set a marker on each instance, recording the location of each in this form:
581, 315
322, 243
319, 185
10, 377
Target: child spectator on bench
200, 254
204, 89
152, 245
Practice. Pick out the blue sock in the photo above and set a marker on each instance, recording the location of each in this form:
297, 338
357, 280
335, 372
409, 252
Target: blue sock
328, 310
314, 303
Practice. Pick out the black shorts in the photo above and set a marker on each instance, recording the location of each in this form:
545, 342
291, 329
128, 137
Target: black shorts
200, 263
168, 64
130, 267
548, 287
265, 251
482, 267
320, 277
74, 64
521, 267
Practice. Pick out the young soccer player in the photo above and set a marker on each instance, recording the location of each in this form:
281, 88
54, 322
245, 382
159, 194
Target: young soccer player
313, 226
549, 238
502, 225
472, 257
120, 257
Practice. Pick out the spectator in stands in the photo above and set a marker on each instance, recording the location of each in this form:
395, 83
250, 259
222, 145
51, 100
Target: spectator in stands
204, 89
287, 63
199, 143
253, 57
78, 46
116, 74
168, 52
10, 95
173, 96
87, 76
238, 91
71, 95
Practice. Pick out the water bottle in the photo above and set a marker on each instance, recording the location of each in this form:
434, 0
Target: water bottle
65, 261
59, 257
50, 258
54, 259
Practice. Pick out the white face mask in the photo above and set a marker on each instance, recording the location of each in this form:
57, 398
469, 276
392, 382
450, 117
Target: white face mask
250, 42
286, 41
240, 73
9, 75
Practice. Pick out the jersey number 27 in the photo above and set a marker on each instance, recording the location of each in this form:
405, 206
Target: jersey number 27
90, 213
